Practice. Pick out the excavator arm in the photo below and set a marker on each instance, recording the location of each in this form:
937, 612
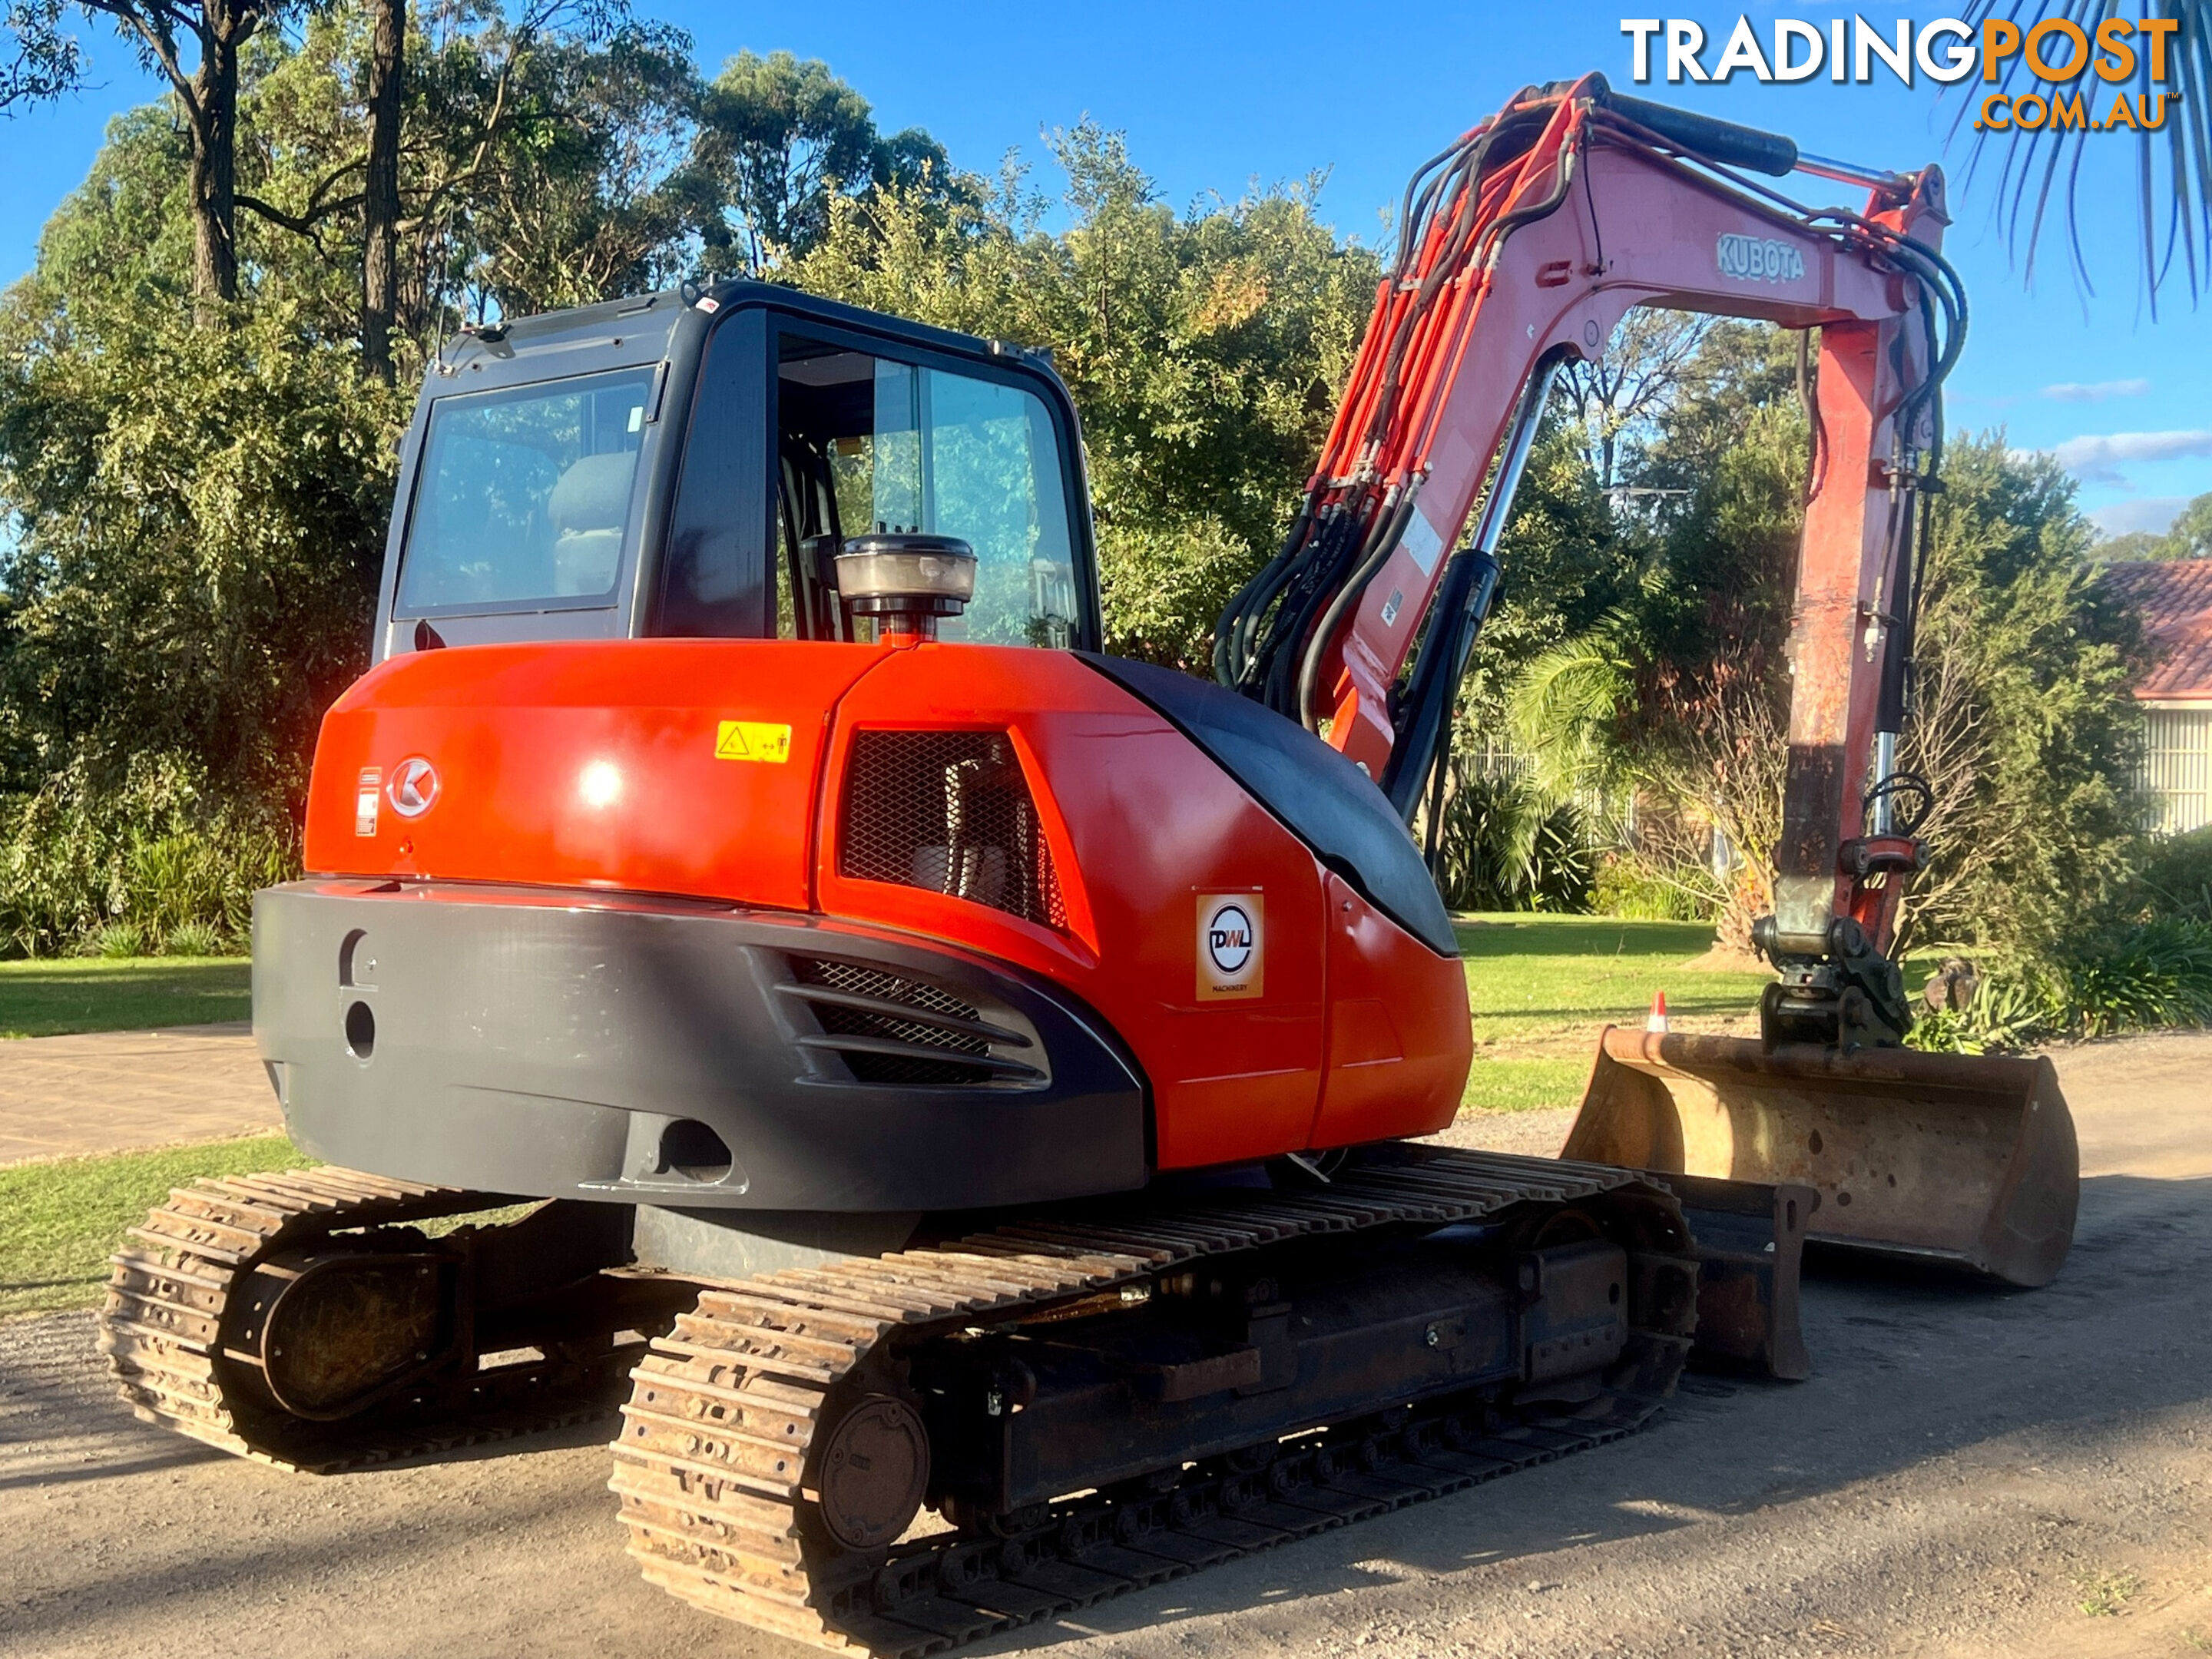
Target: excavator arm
1521, 246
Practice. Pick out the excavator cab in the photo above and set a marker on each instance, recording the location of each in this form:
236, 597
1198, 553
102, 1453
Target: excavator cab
690, 464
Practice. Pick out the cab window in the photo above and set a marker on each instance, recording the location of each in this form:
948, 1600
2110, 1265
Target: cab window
523, 495
865, 442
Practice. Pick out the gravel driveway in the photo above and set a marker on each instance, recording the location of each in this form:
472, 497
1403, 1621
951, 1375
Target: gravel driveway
1966, 1468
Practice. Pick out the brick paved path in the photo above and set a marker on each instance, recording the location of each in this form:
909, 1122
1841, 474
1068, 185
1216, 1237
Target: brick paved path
113, 1091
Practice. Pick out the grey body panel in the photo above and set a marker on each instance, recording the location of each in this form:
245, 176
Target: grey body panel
744, 1243
543, 1043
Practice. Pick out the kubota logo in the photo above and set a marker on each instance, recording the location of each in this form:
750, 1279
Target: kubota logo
1757, 259
413, 789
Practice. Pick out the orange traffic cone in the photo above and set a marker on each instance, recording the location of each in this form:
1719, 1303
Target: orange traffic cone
1657, 1019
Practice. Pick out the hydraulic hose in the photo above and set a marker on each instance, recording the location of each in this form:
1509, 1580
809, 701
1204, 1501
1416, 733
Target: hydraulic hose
1391, 531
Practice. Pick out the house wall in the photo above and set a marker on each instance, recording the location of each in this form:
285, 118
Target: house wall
2176, 770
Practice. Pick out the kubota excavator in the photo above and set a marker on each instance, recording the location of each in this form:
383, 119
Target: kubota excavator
964, 1070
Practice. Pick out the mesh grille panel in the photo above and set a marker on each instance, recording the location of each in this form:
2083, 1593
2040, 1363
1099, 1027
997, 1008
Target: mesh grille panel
914, 1071
872, 982
948, 811
935, 1060
890, 987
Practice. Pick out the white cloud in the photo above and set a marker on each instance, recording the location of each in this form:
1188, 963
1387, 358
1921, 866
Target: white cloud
2097, 457
2071, 391
2156, 514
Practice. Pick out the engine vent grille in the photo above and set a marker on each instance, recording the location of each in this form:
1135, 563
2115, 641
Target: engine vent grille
948, 811
891, 1030
877, 982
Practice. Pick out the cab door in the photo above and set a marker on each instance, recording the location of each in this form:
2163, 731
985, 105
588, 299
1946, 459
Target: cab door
907, 429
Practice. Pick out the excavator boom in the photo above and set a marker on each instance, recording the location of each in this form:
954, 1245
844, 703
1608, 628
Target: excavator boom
1522, 247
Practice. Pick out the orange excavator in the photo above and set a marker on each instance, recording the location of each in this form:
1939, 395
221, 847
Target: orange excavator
758, 950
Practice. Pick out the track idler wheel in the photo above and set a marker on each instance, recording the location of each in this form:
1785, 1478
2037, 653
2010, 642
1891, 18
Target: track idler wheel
874, 1473
324, 1334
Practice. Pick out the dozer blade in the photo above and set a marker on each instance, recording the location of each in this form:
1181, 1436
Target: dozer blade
1749, 1237
1957, 1159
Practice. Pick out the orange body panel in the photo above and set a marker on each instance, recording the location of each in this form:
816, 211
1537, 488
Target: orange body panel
1139, 823
586, 765
1400, 1038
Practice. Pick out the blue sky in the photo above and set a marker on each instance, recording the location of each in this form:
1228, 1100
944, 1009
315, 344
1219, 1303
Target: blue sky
1214, 96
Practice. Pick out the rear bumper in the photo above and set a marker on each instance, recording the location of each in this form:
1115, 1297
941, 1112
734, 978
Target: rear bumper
513, 1040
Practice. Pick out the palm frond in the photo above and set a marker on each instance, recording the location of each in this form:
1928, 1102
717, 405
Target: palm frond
1564, 710
2173, 165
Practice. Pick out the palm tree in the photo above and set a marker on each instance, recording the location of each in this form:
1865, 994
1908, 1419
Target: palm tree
2173, 164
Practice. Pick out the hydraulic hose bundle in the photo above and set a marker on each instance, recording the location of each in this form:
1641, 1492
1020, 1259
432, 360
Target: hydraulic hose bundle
1280, 638
1272, 639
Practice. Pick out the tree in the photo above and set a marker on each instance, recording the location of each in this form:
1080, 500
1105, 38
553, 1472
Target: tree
1678, 694
1618, 396
380, 202
2190, 533
2134, 545
533, 169
561, 186
1566, 561
778, 138
198, 587
531, 166
1204, 349
2188, 537
2022, 722
48, 62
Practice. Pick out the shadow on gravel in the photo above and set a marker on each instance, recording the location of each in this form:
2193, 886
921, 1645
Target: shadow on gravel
61, 1418
185, 1453
1908, 1369
1909, 1366
62, 1424
94, 1597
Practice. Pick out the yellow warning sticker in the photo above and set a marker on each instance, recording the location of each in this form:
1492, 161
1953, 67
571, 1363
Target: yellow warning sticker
752, 740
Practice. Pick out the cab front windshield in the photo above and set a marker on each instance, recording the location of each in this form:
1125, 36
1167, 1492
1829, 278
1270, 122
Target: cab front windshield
522, 494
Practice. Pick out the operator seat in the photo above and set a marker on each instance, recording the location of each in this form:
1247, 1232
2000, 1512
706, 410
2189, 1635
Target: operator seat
589, 506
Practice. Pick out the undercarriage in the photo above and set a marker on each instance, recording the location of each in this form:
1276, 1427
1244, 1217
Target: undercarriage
322, 1319
991, 1426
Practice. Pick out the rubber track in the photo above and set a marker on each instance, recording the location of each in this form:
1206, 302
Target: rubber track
710, 1467
161, 1326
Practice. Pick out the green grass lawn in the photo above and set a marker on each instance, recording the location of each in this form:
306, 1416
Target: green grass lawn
59, 1221
1542, 988
52, 996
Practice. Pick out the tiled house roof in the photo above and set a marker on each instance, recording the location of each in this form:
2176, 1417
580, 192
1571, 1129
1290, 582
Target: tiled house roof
2173, 597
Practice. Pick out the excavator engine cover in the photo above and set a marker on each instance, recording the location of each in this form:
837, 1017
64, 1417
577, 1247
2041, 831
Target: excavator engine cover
1961, 1159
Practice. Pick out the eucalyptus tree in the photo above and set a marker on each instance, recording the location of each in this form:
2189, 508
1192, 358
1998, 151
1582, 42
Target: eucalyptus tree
197, 46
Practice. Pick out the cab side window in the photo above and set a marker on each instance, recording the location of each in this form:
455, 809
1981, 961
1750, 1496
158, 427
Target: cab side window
524, 495
865, 442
